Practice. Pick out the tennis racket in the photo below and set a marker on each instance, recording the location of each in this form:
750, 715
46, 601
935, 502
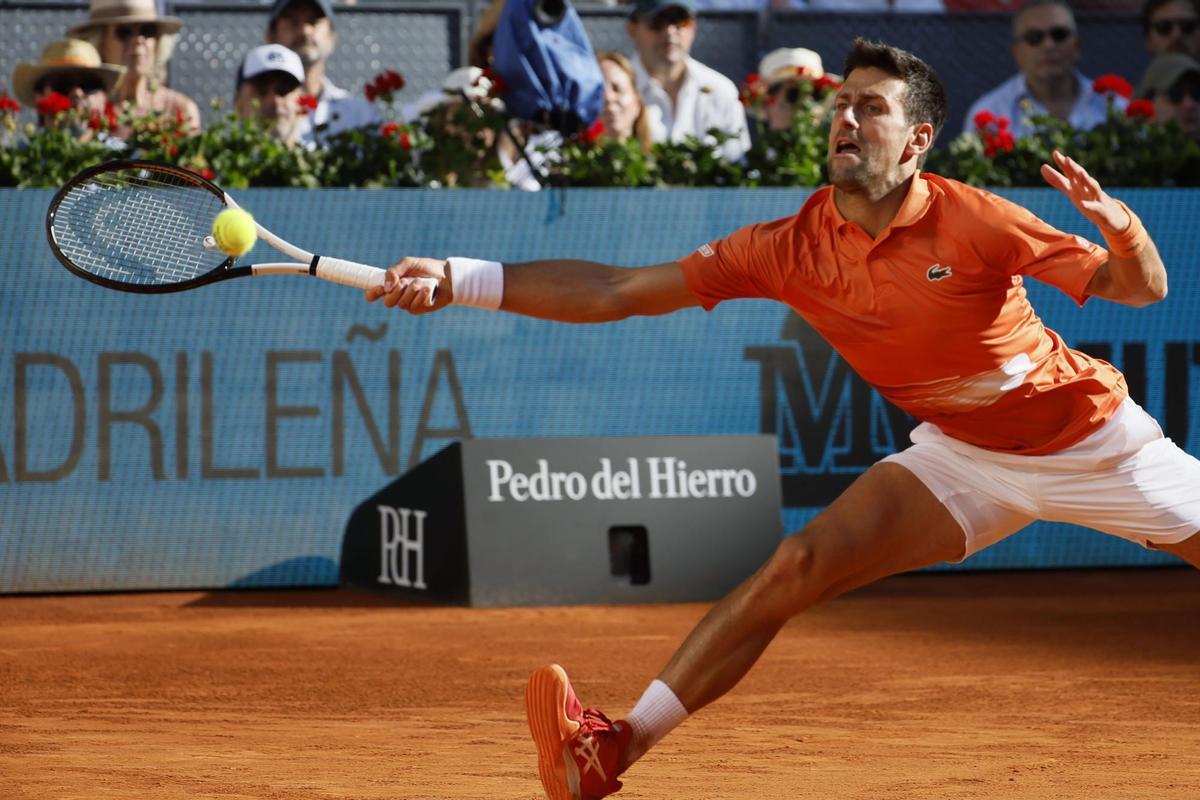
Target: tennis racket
138, 226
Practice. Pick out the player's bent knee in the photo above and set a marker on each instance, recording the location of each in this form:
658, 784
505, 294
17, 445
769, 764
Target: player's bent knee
791, 577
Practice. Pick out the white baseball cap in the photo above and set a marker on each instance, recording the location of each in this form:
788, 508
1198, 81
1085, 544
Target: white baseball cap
786, 62
270, 58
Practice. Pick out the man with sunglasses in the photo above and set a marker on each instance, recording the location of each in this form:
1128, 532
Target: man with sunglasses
269, 86
1172, 26
70, 69
1046, 49
1172, 83
683, 97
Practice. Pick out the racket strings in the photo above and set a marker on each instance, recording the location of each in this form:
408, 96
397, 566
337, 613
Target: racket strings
138, 226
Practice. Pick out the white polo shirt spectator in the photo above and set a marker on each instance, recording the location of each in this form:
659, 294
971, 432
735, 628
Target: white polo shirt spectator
339, 111
1012, 99
682, 96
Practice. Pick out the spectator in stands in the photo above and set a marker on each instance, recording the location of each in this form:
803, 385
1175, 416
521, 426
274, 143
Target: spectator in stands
625, 115
68, 86
1046, 49
785, 71
269, 85
306, 27
1173, 84
479, 49
131, 33
684, 97
1172, 26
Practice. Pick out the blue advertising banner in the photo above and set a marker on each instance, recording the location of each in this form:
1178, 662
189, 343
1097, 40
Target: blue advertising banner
222, 437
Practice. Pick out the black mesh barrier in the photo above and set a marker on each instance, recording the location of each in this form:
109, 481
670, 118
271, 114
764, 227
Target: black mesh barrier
423, 41
725, 41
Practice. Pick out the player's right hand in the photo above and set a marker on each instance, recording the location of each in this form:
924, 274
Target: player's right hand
416, 285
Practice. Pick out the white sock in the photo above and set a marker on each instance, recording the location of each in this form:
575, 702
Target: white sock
655, 715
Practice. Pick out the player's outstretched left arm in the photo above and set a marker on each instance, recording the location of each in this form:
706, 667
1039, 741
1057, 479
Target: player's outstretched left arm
1134, 274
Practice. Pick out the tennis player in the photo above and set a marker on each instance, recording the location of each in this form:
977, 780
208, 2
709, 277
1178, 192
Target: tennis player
916, 280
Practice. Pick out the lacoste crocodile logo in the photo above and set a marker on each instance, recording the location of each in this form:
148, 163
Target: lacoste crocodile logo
937, 272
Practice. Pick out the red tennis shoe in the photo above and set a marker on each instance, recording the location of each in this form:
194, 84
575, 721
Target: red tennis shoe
579, 749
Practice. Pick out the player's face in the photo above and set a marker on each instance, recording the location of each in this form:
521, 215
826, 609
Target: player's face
869, 138
302, 27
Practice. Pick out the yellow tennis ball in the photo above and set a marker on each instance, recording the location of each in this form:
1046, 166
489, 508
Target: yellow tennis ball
234, 232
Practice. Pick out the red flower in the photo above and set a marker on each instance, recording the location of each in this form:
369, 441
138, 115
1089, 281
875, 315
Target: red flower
307, 103
7, 104
95, 122
995, 142
1140, 109
389, 129
1111, 84
53, 104
594, 132
395, 81
825, 84
984, 118
497, 86
752, 90
383, 84
405, 142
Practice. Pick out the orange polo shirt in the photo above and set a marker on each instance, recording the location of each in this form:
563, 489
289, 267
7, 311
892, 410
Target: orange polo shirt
933, 312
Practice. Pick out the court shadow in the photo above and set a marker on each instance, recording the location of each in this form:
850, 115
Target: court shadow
1126, 615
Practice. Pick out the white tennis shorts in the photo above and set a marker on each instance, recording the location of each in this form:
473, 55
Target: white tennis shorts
1126, 479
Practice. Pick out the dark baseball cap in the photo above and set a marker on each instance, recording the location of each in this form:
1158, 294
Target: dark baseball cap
277, 8
645, 9
1164, 71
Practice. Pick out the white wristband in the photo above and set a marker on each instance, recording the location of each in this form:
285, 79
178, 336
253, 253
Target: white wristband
476, 283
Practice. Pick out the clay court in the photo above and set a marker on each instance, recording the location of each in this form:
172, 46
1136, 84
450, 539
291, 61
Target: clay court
978, 685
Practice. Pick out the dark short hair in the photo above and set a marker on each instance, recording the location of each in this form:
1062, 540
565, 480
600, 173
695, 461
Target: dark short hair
924, 95
1150, 6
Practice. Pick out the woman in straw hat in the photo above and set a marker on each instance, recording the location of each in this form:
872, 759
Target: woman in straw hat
69, 77
133, 34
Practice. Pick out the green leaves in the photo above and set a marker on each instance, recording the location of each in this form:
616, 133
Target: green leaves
1122, 151
457, 144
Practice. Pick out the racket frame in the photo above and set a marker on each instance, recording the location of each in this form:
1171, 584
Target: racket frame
348, 273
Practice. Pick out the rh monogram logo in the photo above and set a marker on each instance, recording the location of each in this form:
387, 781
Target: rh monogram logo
401, 546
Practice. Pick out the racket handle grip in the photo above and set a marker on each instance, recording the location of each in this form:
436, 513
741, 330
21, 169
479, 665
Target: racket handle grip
351, 273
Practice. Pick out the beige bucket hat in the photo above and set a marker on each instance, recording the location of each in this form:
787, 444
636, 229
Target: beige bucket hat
116, 12
64, 55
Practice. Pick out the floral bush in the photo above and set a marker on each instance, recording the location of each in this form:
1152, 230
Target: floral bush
454, 145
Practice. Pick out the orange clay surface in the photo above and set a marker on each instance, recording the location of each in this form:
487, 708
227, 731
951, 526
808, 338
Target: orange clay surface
1010, 685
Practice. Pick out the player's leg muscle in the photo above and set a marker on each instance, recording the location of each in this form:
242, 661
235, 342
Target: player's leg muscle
886, 522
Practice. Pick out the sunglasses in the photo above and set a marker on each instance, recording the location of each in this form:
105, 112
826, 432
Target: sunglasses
789, 93
1177, 92
1187, 27
679, 17
66, 84
147, 30
278, 85
1034, 36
